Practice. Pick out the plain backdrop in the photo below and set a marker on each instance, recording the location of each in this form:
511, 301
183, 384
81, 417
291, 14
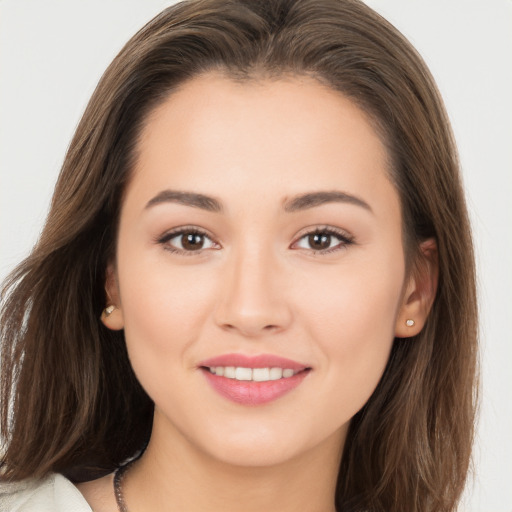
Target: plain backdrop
53, 52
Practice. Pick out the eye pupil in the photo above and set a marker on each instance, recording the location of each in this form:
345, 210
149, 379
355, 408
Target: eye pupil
319, 240
192, 241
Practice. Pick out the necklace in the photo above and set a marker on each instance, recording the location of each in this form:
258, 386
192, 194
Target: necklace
118, 491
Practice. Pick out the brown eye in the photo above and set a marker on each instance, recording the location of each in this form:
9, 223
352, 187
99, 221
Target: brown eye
192, 241
187, 241
323, 241
319, 241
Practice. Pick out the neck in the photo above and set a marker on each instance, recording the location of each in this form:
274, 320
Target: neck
175, 475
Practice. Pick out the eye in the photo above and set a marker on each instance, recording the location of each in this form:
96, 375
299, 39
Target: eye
323, 240
187, 241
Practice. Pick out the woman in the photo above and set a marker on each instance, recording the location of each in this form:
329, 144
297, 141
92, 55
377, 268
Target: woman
255, 288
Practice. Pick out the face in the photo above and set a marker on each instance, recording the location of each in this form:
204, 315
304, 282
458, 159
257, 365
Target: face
260, 238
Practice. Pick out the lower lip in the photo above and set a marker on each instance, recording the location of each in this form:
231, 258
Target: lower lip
248, 392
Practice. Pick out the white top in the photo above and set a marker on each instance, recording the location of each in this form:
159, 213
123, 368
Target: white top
54, 493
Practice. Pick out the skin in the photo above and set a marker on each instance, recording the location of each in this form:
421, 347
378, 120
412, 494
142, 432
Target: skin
257, 287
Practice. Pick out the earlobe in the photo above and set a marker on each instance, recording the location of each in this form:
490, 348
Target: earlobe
112, 315
419, 293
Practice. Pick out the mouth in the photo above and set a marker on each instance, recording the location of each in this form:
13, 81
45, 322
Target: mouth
253, 380
252, 374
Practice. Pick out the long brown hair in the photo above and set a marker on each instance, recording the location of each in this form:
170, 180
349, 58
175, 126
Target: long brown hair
70, 400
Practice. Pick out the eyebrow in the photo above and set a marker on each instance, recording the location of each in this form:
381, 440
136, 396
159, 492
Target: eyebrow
188, 199
312, 199
297, 203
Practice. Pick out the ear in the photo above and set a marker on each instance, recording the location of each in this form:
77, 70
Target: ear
112, 315
419, 293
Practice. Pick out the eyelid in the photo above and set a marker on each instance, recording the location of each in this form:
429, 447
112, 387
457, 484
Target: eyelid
181, 230
344, 237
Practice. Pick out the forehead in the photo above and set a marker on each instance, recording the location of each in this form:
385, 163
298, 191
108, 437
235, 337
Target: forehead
284, 135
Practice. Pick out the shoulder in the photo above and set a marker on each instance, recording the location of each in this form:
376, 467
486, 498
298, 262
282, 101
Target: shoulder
55, 493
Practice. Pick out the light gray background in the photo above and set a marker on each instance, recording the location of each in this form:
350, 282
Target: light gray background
53, 52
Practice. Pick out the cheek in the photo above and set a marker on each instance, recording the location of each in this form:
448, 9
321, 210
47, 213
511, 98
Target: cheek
351, 317
164, 315
164, 307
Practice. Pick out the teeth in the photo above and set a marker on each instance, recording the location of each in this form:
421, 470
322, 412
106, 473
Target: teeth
261, 374
254, 374
276, 373
243, 374
229, 372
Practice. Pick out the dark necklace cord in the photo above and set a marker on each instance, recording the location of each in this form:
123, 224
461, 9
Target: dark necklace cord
118, 490
119, 475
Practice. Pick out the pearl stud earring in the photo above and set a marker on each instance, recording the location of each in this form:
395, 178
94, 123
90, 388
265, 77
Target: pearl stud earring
108, 310
409, 322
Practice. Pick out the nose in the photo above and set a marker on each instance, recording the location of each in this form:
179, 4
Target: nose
252, 299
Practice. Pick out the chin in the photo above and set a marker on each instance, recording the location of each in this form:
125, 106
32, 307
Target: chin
261, 453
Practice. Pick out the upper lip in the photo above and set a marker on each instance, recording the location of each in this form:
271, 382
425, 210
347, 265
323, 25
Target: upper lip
259, 361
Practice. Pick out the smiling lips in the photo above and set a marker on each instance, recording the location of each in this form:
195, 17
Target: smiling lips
253, 380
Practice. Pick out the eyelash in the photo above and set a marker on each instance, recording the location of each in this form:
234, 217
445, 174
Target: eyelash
164, 240
345, 240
